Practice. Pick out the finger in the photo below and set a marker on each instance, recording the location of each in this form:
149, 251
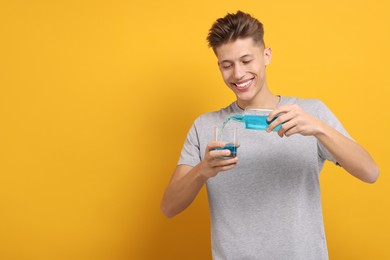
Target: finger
219, 162
280, 110
211, 146
298, 129
228, 167
277, 111
215, 154
227, 164
273, 114
215, 144
286, 127
291, 131
279, 120
281, 115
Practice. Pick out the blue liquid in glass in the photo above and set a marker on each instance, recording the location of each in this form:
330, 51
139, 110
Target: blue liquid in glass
231, 147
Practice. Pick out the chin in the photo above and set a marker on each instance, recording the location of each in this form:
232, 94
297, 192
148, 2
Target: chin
246, 97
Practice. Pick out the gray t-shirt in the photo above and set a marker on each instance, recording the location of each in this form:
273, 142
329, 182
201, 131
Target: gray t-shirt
269, 206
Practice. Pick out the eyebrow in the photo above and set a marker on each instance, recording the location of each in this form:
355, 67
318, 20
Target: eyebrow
242, 57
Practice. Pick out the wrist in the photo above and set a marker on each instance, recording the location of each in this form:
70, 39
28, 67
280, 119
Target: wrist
201, 173
321, 130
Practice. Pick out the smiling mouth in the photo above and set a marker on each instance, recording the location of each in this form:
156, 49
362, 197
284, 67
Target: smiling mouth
243, 85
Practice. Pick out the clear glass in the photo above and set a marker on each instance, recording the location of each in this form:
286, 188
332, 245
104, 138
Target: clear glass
228, 135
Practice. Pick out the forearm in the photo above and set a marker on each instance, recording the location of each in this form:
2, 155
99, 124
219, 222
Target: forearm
181, 192
187, 181
349, 154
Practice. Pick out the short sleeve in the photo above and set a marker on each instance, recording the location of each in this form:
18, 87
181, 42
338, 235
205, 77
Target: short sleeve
326, 115
190, 154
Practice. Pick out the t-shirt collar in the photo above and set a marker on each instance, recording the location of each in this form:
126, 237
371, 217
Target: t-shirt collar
237, 109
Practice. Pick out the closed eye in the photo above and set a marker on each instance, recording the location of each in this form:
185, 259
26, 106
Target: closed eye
226, 65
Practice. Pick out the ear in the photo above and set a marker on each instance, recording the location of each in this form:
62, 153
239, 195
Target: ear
267, 56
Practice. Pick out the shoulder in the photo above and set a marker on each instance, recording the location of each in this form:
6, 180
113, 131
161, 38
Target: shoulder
310, 105
307, 102
216, 117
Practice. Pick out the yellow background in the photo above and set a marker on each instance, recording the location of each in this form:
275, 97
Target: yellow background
96, 98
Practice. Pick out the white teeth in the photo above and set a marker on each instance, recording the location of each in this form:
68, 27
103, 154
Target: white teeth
244, 84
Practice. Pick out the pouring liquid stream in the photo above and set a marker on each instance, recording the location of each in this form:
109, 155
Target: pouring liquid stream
254, 122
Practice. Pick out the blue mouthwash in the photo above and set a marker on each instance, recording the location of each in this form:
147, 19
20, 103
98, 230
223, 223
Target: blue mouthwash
255, 122
231, 147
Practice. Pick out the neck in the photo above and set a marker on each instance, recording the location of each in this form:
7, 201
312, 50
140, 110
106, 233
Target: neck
264, 100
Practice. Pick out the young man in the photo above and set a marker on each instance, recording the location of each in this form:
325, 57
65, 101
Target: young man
268, 206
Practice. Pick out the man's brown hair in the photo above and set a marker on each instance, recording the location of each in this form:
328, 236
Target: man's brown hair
235, 26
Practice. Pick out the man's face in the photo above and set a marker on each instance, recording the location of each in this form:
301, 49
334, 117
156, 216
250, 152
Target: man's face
242, 64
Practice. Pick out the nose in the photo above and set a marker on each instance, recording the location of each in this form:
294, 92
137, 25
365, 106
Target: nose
239, 71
